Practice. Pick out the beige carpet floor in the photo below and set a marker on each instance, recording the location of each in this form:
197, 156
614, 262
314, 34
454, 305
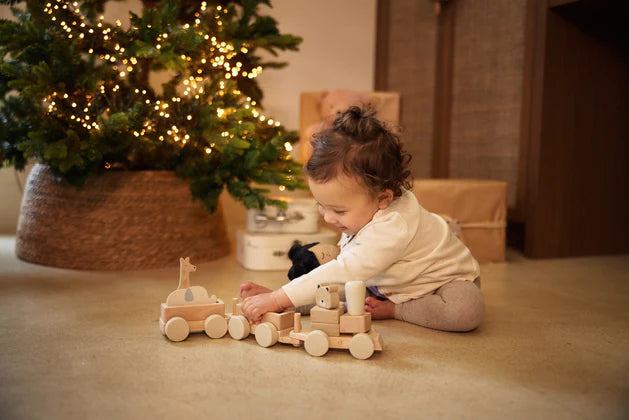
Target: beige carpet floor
86, 345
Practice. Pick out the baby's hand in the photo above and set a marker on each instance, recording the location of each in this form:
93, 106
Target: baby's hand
251, 289
254, 307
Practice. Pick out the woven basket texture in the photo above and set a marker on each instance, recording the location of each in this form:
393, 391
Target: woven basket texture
123, 220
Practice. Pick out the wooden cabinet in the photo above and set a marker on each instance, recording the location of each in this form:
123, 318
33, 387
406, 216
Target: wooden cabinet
574, 174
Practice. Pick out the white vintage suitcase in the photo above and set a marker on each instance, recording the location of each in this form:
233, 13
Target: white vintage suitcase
302, 216
269, 251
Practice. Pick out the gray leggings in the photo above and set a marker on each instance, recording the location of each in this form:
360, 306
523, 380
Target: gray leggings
456, 306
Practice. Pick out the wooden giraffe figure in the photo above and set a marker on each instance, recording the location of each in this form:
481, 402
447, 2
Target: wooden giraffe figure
186, 294
185, 268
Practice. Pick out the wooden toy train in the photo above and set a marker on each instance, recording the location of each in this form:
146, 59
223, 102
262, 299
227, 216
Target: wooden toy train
190, 309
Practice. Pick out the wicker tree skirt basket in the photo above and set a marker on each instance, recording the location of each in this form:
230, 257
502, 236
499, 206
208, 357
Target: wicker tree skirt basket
123, 220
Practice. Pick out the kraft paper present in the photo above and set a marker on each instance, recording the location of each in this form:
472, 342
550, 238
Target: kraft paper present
475, 207
313, 107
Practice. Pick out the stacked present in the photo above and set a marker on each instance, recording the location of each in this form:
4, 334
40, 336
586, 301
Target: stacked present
475, 209
271, 232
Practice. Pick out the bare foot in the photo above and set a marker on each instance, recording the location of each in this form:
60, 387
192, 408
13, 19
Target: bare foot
252, 289
380, 309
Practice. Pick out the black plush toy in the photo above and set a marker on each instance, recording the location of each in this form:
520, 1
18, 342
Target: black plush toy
307, 257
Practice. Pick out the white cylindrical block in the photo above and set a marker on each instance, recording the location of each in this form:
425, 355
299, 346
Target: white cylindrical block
355, 292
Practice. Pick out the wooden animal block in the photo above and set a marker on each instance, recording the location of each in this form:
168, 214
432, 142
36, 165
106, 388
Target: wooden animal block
332, 330
185, 268
281, 321
329, 316
355, 323
194, 295
327, 296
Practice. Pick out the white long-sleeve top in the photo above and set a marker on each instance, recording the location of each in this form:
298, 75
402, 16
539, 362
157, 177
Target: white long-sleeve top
405, 251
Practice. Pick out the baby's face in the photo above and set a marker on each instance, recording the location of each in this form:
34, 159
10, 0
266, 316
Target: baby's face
345, 203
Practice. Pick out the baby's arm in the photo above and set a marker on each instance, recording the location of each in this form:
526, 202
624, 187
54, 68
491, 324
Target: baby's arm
255, 306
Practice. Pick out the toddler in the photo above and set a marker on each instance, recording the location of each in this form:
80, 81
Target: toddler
415, 269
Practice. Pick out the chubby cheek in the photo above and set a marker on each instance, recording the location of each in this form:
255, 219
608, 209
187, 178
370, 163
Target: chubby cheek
347, 222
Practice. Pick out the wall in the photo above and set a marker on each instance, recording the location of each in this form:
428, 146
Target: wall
487, 91
337, 51
409, 55
460, 75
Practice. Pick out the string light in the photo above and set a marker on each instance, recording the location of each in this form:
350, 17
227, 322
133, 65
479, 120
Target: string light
217, 54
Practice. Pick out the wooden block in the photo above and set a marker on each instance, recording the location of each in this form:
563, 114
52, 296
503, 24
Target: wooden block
297, 322
332, 330
281, 321
329, 316
334, 288
355, 296
236, 307
355, 323
327, 296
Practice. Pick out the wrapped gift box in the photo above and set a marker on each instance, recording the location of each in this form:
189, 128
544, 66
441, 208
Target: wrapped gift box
476, 208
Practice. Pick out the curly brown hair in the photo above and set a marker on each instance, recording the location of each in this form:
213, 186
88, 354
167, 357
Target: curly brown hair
357, 144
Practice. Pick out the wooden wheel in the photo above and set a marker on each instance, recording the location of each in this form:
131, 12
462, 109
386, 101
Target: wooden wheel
317, 343
238, 327
215, 326
266, 334
361, 346
177, 329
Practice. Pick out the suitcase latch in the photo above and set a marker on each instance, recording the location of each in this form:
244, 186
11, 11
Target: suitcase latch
280, 217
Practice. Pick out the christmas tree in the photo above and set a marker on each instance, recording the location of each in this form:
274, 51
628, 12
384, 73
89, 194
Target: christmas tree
75, 93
